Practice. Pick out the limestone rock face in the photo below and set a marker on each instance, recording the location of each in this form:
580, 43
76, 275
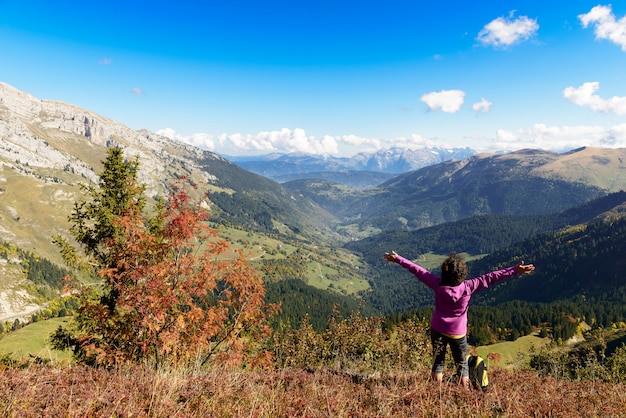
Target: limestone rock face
54, 135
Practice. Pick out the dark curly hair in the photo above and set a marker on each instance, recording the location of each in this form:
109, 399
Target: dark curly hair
453, 270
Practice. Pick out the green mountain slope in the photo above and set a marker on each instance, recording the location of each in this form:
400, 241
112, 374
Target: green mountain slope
587, 259
483, 234
528, 182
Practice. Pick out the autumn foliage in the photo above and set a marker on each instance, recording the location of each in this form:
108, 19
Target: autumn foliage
169, 294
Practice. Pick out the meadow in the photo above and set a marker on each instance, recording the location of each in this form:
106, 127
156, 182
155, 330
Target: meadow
513, 354
32, 341
137, 391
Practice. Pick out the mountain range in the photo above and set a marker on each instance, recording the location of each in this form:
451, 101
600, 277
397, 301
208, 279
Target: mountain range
329, 233
364, 169
524, 182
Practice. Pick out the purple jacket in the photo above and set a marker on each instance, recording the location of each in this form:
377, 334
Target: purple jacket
451, 302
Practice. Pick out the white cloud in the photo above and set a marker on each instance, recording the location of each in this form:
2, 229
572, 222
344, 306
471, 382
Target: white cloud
357, 141
504, 32
137, 91
559, 138
541, 132
537, 136
105, 61
289, 141
616, 135
200, 140
483, 106
584, 96
416, 141
329, 145
506, 136
606, 27
285, 141
168, 132
449, 101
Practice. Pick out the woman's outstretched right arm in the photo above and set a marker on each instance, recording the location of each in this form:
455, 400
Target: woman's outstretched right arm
418, 271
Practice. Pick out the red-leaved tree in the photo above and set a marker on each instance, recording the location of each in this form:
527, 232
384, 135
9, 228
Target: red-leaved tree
169, 293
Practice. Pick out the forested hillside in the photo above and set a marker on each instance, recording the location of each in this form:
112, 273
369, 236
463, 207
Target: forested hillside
336, 198
351, 178
480, 234
256, 202
36, 280
299, 300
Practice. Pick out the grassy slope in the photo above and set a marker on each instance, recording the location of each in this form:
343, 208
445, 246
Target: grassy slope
322, 270
32, 340
29, 207
513, 354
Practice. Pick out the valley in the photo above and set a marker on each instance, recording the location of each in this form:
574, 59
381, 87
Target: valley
327, 236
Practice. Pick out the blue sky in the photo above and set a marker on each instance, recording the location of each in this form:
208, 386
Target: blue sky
331, 77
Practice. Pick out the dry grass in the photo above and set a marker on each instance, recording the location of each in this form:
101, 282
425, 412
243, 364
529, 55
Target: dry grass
40, 391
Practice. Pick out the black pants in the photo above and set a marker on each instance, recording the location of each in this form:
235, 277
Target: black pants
458, 346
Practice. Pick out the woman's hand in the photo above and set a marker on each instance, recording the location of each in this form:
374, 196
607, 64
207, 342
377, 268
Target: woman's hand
524, 268
391, 256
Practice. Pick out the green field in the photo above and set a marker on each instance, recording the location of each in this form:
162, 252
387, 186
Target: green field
327, 278
513, 354
32, 340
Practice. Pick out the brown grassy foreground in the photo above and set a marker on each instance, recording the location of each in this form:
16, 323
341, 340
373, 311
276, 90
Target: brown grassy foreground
75, 391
